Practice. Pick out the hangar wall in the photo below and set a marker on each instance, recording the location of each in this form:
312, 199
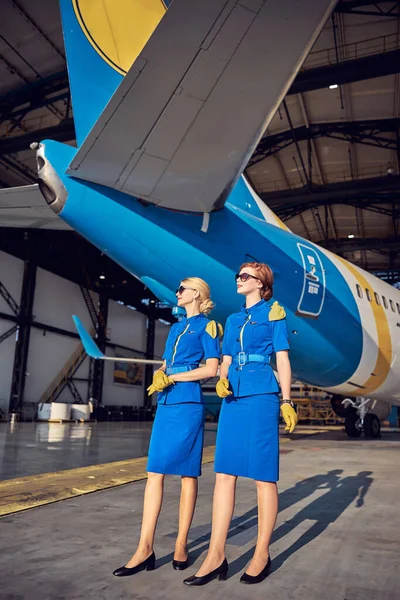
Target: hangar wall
11, 272
127, 328
56, 299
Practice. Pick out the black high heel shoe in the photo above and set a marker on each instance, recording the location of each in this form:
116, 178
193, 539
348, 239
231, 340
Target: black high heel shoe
221, 572
250, 579
180, 565
147, 565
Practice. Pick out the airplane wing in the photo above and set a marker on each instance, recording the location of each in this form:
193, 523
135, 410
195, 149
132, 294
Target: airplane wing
92, 349
186, 118
24, 207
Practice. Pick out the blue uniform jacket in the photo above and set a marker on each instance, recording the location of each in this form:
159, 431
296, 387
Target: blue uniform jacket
251, 331
189, 342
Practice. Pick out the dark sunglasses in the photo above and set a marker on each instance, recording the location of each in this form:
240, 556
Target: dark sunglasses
182, 288
244, 277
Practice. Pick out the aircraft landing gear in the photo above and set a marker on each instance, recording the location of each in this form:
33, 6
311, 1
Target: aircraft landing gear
358, 419
353, 424
372, 426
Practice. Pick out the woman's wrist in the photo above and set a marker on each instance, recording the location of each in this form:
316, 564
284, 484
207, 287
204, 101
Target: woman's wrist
287, 401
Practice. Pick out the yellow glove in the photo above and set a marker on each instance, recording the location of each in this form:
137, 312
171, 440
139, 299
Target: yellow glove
289, 416
222, 388
159, 378
159, 383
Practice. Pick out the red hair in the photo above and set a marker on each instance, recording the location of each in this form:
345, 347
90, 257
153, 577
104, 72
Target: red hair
265, 275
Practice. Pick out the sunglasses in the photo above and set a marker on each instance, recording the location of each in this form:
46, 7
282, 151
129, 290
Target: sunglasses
244, 277
182, 288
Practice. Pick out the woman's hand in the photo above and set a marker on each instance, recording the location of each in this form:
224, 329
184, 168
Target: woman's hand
289, 416
222, 388
159, 383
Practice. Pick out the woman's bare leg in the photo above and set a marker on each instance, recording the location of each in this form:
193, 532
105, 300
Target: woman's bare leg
223, 505
153, 497
267, 497
186, 511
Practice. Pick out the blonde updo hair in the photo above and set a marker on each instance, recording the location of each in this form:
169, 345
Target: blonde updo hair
206, 304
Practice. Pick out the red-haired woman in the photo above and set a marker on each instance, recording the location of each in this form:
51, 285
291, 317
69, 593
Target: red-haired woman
248, 429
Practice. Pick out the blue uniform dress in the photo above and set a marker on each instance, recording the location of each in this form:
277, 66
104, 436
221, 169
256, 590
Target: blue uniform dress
248, 428
176, 444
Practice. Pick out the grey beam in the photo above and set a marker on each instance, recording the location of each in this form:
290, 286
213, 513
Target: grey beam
63, 132
367, 67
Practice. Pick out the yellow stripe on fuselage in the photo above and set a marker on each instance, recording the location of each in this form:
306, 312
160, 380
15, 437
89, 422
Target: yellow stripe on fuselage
280, 223
384, 342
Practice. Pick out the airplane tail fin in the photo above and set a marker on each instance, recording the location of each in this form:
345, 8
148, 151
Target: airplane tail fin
102, 40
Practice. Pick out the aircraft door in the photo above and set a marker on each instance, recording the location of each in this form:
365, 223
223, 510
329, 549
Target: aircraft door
313, 293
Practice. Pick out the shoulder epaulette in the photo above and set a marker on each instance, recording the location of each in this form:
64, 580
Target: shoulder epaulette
277, 312
213, 329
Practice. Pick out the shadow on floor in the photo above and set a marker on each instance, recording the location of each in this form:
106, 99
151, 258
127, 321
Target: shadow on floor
341, 492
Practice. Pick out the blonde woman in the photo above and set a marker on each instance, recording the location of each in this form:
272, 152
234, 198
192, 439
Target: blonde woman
177, 437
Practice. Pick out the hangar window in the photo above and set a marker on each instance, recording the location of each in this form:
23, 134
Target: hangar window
377, 299
359, 291
368, 294
385, 304
392, 306
398, 307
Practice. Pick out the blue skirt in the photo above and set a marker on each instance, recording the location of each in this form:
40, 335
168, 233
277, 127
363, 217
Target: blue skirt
176, 444
248, 437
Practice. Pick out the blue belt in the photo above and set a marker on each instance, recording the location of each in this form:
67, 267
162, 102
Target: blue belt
242, 358
173, 370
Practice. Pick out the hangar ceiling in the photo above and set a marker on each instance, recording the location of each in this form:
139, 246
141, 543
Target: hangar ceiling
328, 164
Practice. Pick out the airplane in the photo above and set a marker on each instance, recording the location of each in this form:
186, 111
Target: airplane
167, 113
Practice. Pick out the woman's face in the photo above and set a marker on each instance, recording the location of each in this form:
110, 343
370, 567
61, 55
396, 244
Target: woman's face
185, 295
247, 281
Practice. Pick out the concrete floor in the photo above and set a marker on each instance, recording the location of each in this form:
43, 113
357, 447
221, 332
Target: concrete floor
34, 448
337, 536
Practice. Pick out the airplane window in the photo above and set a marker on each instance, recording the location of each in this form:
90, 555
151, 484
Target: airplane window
385, 304
392, 306
359, 291
368, 294
398, 307
377, 299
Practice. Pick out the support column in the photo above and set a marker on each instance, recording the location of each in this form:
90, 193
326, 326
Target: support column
149, 369
24, 322
96, 369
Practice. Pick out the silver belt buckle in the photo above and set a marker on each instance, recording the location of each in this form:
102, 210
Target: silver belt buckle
242, 359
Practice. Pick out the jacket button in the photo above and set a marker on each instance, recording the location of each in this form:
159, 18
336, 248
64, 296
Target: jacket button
237, 368
238, 339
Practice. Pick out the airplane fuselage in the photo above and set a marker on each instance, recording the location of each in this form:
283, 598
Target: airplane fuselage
342, 337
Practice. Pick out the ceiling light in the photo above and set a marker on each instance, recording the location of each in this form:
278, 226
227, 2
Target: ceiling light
102, 276
333, 86
351, 235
